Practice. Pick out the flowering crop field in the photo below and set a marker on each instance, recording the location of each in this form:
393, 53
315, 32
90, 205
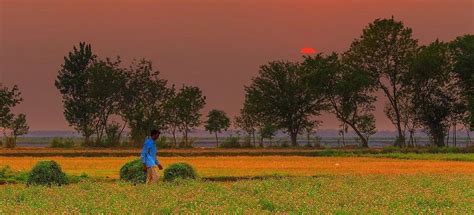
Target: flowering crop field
255, 166
305, 185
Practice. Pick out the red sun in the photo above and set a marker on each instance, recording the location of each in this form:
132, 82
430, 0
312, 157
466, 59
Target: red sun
308, 51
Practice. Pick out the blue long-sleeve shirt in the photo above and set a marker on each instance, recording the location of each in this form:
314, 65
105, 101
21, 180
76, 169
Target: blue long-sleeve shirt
149, 153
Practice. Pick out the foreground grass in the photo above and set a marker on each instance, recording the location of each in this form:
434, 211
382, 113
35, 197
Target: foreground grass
108, 167
412, 194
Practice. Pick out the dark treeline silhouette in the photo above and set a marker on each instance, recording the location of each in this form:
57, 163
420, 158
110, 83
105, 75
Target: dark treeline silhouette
94, 91
428, 87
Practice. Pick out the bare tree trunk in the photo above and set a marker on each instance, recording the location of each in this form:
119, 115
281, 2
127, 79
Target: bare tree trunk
468, 137
343, 138
175, 144
217, 140
253, 137
447, 137
294, 136
454, 134
308, 139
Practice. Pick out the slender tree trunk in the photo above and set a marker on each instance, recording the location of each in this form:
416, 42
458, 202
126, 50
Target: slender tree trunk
121, 131
447, 137
365, 142
454, 134
294, 136
217, 140
412, 138
308, 139
343, 138
253, 137
185, 137
468, 137
439, 140
175, 144
271, 144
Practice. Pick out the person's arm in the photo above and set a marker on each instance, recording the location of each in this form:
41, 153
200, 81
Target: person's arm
158, 164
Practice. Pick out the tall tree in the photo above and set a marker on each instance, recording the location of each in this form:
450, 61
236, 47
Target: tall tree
280, 94
9, 98
104, 84
184, 111
268, 130
433, 89
71, 82
248, 120
463, 52
19, 126
217, 121
347, 88
384, 50
143, 100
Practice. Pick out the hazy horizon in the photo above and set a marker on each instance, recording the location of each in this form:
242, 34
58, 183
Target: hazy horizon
215, 45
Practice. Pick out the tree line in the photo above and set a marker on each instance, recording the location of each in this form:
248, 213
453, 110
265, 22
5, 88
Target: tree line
428, 87
95, 92
12, 125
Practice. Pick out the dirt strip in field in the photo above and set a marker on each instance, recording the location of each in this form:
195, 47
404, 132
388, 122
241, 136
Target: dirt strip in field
108, 167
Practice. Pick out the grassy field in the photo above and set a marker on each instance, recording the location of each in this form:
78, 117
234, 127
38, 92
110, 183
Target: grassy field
348, 194
374, 183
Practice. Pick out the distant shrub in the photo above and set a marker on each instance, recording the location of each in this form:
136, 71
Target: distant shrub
247, 144
163, 143
47, 173
133, 172
179, 171
285, 144
188, 145
230, 142
112, 135
62, 143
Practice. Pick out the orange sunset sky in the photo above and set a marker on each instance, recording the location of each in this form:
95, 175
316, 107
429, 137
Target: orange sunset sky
214, 44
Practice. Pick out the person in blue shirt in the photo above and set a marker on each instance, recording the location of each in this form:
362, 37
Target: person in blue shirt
148, 157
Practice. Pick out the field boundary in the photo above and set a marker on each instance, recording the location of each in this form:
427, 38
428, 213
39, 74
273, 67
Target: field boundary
413, 154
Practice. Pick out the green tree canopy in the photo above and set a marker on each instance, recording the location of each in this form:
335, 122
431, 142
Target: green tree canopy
19, 126
9, 98
143, 99
463, 51
248, 120
71, 82
217, 121
385, 50
183, 111
434, 92
347, 88
281, 95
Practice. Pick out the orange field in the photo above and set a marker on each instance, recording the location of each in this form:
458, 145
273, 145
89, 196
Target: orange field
256, 166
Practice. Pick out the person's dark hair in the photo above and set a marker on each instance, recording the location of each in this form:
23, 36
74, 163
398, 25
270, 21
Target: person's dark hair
154, 132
